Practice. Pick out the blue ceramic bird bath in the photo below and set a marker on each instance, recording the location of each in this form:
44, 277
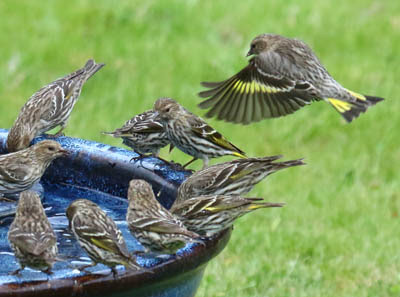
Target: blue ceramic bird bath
101, 173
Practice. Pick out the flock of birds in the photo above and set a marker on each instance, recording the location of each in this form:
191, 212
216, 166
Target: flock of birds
282, 76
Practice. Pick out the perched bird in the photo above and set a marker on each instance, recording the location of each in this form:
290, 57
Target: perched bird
99, 236
49, 107
283, 75
236, 177
207, 215
154, 227
31, 236
20, 170
143, 133
191, 134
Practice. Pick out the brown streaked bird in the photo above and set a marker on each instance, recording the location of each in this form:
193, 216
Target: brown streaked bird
236, 177
191, 134
49, 107
99, 236
31, 236
208, 215
20, 170
152, 225
143, 133
283, 75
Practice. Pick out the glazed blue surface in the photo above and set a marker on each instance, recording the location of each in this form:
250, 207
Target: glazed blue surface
100, 173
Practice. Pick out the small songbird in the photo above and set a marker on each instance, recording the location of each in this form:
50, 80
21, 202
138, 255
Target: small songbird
49, 107
31, 236
283, 75
99, 236
20, 170
152, 225
208, 215
236, 177
191, 134
143, 133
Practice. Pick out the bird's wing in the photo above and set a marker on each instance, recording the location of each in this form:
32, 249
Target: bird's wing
255, 93
160, 225
33, 243
103, 233
14, 170
203, 130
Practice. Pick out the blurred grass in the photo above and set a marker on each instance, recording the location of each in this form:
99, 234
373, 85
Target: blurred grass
338, 235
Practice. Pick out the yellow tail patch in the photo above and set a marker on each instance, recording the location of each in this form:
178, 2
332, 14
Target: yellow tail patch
358, 96
340, 105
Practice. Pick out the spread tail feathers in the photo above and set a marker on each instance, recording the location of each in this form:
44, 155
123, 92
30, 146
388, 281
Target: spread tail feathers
351, 110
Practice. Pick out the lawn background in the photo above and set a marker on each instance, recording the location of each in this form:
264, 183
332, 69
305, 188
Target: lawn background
339, 234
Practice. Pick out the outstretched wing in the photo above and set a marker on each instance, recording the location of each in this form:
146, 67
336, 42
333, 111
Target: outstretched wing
254, 94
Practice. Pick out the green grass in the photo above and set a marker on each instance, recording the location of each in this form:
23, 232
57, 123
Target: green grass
339, 234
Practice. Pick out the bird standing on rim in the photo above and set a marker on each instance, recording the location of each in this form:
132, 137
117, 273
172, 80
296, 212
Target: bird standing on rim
191, 134
143, 133
208, 215
31, 236
20, 170
99, 236
153, 226
49, 107
283, 75
236, 177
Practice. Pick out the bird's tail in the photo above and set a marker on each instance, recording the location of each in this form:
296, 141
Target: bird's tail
351, 110
108, 133
257, 205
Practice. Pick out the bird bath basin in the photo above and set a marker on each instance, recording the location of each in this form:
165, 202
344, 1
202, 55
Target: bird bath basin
101, 173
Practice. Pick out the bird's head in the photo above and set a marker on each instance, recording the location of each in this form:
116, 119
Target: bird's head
140, 192
263, 43
28, 204
166, 109
48, 150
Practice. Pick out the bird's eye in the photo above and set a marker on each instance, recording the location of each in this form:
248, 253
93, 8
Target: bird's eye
167, 110
253, 45
51, 148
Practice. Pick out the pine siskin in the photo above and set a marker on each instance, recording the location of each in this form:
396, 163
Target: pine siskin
49, 107
208, 215
236, 177
20, 170
191, 134
31, 236
99, 236
153, 226
143, 133
283, 75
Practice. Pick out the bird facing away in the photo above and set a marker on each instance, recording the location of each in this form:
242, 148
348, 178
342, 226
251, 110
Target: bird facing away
99, 236
49, 107
191, 134
283, 75
143, 133
208, 215
31, 236
236, 177
20, 170
151, 224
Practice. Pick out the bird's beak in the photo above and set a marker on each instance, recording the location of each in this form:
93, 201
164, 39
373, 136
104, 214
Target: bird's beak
249, 53
64, 152
157, 116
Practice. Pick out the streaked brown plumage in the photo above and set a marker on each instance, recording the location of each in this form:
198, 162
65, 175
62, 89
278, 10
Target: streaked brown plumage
143, 133
282, 76
191, 134
20, 170
236, 177
153, 226
99, 236
31, 236
49, 107
208, 215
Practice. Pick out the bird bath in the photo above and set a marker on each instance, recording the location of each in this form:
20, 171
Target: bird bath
101, 173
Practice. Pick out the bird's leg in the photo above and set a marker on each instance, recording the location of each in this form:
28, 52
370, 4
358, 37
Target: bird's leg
141, 156
59, 133
190, 162
48, 271
114, 272
87, 266
17, 272
205, 163
8, 199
